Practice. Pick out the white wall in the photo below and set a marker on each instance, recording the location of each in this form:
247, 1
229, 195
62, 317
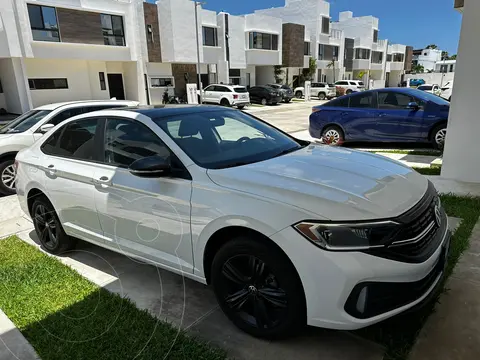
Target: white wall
460, 157
358, 28
237, 44
395, 78
93, 69
432, 78
15, 85
9, 38
265, 24
264, 75
131, 80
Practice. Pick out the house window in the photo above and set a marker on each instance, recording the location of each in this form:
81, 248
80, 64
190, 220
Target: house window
210, 36
375, 36
161, 82
398, 57
389, 57
306, 48
263, 41
451, 69
113, 33
234, 76
103, 84
1, 87
43, 22
327, 52
377, 57
325, 25
362, 54
443, 68
47, 84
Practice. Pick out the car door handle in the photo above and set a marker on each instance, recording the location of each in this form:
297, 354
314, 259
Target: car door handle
103, 181
344, 113
51, 170
382, 115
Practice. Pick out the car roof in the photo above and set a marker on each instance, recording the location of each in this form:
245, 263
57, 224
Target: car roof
55, 106
160, 111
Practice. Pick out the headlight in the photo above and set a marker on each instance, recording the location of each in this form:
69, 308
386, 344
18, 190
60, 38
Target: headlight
344, 237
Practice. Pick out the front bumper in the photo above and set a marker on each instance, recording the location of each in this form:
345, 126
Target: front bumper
330, 278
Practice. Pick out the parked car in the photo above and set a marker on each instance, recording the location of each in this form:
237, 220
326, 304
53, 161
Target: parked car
391, 115
264, 95
284, 90
286, 232
321, 90
226, 95
29, 127
431, 88
351, 85
447, 91
416, 82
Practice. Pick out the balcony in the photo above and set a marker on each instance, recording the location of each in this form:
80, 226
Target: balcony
361, 64
396, 66
380, 45
335, 37
375, 66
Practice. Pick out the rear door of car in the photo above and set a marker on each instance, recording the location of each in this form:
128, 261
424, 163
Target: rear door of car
360, 118
254, 94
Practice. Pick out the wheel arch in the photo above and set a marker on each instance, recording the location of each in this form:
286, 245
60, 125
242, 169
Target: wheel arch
225, 98
33, 194
436, 125
333, 124
8, 155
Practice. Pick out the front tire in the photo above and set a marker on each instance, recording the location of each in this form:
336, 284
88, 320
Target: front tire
348, 92
258, 288
7, 177
298, 94
333, 135
438, 136
49, 229
322, 96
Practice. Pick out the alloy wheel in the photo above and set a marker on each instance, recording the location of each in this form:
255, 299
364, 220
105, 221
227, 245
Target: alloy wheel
440, 137
331, 137
8, 177
252, 292
264, 101
46, 227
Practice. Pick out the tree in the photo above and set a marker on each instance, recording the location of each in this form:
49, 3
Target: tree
453, 57
445, 55
418, 68
432, 46
278, 74
330, 65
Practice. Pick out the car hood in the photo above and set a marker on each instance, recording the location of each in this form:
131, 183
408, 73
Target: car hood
331, 183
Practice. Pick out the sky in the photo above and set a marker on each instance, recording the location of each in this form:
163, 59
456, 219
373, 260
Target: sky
410, 22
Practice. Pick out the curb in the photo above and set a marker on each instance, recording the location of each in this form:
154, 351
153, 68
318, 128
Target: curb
13, 345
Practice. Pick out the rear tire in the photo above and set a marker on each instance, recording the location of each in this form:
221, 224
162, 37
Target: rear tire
7, 177
298, 94
333, 135
225, 102
258, 288
349, 91
322, 96
438, 136
49, 229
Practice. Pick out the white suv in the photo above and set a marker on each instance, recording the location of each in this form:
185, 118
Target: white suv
226, 95
321, 90
351, 85
29, 127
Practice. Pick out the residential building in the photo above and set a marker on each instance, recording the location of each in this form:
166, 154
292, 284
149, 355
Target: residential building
365, 53
445, 66
55, 51
320, 41
427, 58
395, 66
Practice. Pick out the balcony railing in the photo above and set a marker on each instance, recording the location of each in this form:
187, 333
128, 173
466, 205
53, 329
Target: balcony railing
336, 34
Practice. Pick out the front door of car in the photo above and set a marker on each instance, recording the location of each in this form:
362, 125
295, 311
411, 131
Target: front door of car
142, 216
69, 166
207, 93
397, 122
359, 119
254, 94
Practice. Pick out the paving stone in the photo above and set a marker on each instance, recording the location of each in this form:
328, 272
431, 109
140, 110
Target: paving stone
13, 345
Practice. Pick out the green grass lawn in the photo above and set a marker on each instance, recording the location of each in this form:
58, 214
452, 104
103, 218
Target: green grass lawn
436, 170
399, 333
64, 316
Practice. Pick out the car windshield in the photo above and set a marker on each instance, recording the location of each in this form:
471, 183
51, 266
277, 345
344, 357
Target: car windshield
229, 138
424, 87
24, 122
286, 87
240, 89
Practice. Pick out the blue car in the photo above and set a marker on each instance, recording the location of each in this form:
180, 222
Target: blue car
384, 115
417, 82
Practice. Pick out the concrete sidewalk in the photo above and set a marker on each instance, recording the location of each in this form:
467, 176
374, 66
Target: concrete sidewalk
452, 331
13, 345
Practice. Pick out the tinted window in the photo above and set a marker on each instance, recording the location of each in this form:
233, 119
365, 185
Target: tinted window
127, 141
48, 146
66, 114
222, 89
77, 140
424, 87
342, 83
353, 83
394, 100
361, 83
210, 36
226, 138
361, 101
24, 122
340, 102
240, 89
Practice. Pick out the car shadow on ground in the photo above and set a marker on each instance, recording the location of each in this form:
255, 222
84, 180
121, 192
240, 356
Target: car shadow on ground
193, 307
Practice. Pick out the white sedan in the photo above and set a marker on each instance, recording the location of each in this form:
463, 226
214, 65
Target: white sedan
431, 88
286, 232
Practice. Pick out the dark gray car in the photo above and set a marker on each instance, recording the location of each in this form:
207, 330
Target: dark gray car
285, 91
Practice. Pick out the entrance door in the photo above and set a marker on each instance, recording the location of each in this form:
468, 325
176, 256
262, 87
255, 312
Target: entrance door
115, 83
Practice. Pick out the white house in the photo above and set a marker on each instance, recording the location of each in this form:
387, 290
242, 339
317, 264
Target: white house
365, 53
53, 50
445, 66
324, 44
427, 58
395, 66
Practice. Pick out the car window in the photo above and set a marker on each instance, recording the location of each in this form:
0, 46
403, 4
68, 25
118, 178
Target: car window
127, 141
341, 83
361, 83
425, 87
75, 140
340, 102
24, 122
285, 87
394, 100
66, 114
362, 100
209, 88
353, 83
227, 138
222, 89
240, 89
320, 85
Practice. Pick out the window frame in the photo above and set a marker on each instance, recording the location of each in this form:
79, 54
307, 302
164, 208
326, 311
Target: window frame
360, 51
103, 82
372, 95
322, 55
325, 20
160, 78
306, 48
57, 30
395, 57
255, 36
380, 60
62, 131
215, 34
420, 102
112, 30
32, 81
375, 36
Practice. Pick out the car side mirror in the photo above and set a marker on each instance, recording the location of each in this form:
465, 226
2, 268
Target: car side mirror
45, 128
151, 167
413, 106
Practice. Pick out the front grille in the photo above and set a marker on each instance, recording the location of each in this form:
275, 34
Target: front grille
419, 236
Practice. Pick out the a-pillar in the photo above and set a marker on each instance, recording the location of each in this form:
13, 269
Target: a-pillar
461, 160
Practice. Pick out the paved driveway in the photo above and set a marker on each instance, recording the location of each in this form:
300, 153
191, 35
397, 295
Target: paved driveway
186, 303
